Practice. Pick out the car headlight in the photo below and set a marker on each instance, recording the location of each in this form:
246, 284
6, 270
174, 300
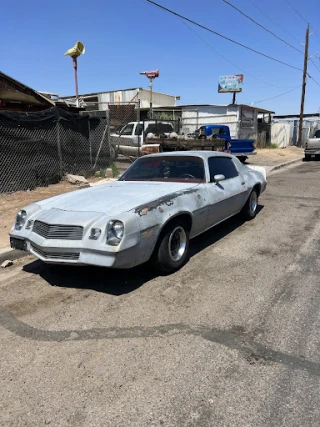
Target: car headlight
20, 220
115, 232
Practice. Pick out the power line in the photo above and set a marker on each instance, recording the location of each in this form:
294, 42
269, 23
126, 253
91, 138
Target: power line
278, 96
226, 59
271, 19
315, 65
318, 84
261, 26
299, 14
222, 36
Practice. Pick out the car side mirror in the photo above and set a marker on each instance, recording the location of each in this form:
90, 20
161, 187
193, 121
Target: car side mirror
218, 178
118, 132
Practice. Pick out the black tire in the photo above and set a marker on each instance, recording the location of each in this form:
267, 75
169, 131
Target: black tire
307, 157
171, 252
242, 158
113, 153
249, 210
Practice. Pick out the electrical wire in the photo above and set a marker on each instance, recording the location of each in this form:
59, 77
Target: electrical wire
222, 36
226, 59
277, 96
271, 19
261, 26
302, 17
315, 65
317, 83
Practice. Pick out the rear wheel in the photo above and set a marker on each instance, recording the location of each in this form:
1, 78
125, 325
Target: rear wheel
307, 157
171, 252
249, 210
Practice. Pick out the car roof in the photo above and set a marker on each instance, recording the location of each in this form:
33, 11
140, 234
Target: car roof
204, 154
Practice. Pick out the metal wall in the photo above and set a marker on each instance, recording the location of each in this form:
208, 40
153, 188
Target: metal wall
194, 117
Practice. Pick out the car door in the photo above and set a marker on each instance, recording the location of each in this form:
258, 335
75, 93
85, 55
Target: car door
226, 197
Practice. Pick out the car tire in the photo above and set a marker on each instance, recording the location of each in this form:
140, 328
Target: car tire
113, 153
242, 159
171, 251
307, 157
249, 210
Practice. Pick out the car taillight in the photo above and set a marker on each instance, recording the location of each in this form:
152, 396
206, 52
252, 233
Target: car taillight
306, 145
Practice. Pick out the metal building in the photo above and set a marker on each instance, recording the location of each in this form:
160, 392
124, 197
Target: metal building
101, 100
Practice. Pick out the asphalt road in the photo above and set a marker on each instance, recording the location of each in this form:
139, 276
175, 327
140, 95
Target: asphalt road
232, 339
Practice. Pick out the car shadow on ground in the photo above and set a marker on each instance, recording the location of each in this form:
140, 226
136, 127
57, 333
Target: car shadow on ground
119, 282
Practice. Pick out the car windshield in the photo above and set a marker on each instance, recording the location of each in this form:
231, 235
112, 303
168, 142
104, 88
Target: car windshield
166, 168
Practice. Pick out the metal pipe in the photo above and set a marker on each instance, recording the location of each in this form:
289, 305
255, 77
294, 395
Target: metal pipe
151, 109
75, 67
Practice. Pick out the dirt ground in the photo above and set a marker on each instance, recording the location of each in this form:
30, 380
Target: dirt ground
275, 156
11, 203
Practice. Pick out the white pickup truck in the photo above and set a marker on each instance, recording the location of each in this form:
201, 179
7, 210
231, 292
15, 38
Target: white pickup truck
312, 146
131, 137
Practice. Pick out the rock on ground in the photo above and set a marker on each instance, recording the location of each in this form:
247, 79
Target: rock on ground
77, 180
7, 263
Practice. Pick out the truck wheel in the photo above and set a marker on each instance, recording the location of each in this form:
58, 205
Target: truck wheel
242, 158
171, 252
249, 210
113, 153
307, 157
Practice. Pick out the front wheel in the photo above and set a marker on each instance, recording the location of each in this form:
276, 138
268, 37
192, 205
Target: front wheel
242, 158
171, 251
249, 210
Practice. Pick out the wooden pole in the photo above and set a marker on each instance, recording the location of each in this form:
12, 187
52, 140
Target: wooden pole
304, 83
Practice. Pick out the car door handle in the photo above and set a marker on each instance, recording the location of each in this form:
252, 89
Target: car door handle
243, 182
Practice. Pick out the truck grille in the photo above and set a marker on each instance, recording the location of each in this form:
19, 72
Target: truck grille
74, 256
63, 232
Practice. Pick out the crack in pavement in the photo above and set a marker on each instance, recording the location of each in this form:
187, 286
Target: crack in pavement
235, 338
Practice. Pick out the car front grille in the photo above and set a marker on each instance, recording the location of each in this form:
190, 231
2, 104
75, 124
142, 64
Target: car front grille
74, 256
63, 232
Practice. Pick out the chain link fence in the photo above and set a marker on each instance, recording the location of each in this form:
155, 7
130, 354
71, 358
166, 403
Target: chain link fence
38, 149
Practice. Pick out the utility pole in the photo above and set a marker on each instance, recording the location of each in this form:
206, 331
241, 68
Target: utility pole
304, 83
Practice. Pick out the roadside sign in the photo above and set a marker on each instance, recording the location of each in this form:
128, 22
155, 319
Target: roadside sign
233, 83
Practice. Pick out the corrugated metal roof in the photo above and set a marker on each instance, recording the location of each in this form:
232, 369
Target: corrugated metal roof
117, 90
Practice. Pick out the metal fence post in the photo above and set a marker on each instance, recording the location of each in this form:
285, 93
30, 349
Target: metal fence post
138, 119
59, 147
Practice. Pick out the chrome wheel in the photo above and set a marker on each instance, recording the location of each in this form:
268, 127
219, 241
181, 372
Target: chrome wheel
177, 244
253, 202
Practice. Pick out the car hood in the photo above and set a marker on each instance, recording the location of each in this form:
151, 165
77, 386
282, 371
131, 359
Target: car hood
112, 199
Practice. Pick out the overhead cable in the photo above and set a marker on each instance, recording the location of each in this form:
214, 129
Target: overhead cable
222, 36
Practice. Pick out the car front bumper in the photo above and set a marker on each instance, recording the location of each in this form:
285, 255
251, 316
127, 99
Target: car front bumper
46, 252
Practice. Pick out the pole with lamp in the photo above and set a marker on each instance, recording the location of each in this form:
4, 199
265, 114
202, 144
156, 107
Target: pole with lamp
77, 50
151, 75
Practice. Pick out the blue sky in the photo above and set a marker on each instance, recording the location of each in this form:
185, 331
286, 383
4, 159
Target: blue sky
124, 37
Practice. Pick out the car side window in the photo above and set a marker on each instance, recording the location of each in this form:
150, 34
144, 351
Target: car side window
139, 129
223, 166
127, 130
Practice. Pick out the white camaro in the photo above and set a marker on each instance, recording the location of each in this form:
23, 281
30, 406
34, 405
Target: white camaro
150, 213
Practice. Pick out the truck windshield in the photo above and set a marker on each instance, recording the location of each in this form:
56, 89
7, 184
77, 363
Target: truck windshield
166, 168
